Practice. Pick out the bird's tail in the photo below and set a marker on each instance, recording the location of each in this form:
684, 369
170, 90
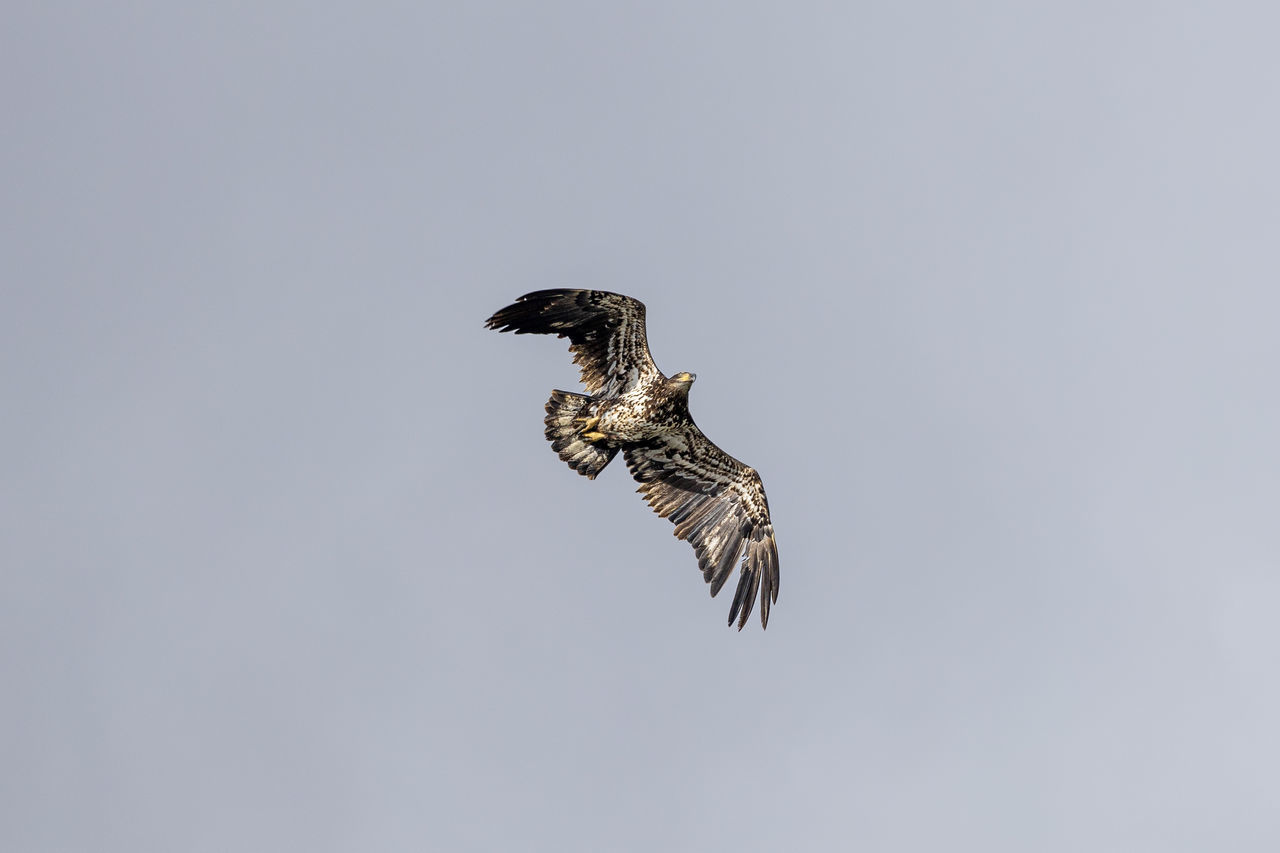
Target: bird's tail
565, 420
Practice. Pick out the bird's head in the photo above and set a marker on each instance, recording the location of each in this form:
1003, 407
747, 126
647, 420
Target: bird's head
681, 382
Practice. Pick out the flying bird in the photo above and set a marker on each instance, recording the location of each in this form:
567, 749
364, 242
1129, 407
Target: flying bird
716, 502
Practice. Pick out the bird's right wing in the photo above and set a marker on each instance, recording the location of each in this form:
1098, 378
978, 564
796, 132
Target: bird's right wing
718, 505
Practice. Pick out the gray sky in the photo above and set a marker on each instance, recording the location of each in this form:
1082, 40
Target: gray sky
987, 292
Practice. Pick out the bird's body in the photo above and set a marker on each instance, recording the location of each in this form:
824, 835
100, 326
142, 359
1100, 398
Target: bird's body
716, 502
642, 413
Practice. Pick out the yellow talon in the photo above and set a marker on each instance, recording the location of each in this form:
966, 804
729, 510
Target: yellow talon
588, 423
594, 436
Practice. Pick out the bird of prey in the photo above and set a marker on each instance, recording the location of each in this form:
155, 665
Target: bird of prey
716, 503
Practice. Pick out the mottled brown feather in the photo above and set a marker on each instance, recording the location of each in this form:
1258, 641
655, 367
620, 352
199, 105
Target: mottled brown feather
718, 505
605, 331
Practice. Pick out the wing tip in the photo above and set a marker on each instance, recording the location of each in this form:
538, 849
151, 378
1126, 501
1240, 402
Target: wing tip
758, 578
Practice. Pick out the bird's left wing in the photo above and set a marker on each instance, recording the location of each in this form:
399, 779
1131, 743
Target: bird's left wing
718, 505
605, 331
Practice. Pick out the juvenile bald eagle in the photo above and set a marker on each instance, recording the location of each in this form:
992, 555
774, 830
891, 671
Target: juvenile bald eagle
716, 503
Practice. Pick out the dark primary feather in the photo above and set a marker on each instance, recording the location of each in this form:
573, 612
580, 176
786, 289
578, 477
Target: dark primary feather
718, 505
605, 331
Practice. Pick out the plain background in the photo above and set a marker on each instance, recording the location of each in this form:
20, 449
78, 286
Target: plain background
987, 292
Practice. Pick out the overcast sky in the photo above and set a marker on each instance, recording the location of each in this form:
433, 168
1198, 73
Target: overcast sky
987, 292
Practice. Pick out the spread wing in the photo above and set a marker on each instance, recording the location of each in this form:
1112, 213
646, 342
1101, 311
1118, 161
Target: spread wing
718, 505
605, 331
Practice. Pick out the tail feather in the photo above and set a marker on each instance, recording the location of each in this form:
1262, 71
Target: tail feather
564, 432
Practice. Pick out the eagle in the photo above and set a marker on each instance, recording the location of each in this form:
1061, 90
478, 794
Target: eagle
716, 502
